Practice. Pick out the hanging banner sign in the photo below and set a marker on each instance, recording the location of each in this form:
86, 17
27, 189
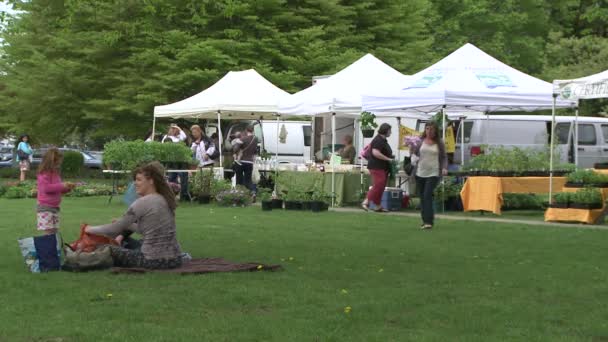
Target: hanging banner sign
450, 141
586, 90
406, 132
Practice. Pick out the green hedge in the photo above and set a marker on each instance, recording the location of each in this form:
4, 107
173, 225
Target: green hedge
73, 163
127, 155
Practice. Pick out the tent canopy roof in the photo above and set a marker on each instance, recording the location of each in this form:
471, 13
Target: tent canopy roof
467, 80
239, 94
341, 92
590, 87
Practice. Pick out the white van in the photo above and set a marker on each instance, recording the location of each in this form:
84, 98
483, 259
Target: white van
533, 131
294, 138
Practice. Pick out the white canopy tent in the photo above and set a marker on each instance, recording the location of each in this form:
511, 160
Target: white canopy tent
590, 87
340, 94
468, 80
238, 95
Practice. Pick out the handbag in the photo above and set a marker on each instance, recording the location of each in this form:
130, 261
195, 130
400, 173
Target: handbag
42, 253
408, 167
78, 261
22, 155
88, 242
255, 174
365, 152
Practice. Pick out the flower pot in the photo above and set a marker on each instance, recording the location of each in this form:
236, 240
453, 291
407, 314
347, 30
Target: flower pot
293, 205
204, 199
574, 185
367, 133
267, 205
277, 204
306, 205
316, 206
600, 166
559, 205
586, 206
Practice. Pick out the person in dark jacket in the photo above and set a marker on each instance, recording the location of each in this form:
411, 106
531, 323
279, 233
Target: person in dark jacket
432, 164
378, 165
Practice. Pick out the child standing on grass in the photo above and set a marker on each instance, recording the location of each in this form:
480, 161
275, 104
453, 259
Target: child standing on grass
50, 189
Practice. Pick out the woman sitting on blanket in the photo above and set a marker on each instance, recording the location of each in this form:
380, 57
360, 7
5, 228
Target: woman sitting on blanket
153, 216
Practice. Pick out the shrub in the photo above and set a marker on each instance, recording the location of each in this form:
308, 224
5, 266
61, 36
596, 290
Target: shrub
2, 189
127, 155
73, 163
218, 186
9, 172
562, 197
16, 192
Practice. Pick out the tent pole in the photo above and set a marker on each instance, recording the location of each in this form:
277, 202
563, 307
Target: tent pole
398, 141
359, 149
443, 127
551, 151
220, 140
576, 137
333, 153
153, 128
462, 142
276, 158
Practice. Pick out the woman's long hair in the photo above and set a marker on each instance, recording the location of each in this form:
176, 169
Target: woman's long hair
156, 172
432, 124
51, 161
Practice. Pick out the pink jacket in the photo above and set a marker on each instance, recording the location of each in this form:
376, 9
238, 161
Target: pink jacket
50, 189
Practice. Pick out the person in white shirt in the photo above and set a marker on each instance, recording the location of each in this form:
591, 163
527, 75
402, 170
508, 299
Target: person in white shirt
175, 134
202, 147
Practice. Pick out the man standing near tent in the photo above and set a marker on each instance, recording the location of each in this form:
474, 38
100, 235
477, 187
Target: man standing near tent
177, 135
245, 150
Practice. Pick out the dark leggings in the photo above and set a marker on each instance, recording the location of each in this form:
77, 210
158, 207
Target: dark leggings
243, 173
425, 187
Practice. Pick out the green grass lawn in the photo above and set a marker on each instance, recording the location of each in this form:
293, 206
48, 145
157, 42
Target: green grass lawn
463, 281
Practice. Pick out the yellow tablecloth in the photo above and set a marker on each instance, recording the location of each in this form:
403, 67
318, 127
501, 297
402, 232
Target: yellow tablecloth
485, 193
602, 171
576, 215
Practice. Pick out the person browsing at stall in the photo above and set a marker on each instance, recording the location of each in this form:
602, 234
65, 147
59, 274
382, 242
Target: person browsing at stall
202, 147
380, 157
348, 152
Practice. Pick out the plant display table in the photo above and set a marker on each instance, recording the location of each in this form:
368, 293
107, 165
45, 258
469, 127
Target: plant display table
578, 215
348, 184
485, 193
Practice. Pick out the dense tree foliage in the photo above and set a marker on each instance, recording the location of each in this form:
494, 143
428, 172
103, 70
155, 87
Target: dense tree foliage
76, 68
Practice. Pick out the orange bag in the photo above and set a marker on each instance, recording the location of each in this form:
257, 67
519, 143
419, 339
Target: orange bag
88, 242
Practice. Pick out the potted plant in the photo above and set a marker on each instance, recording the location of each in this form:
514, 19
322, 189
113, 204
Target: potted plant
367, 123
319, 200
265, 195
587, 198
306, 200
292, 199
561, 200
200, 185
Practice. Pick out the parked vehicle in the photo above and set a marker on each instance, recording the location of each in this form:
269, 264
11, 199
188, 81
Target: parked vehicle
7, 156
89, 161
533, 131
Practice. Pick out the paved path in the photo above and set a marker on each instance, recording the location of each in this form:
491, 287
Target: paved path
479, 219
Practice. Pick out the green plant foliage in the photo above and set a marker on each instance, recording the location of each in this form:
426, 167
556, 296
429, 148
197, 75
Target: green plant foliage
587, 196
73, 164
562, 197
521, 201
264, 194
500, 158
367, 120
450, 188
15, 192
587, 177
201, 182
127, 155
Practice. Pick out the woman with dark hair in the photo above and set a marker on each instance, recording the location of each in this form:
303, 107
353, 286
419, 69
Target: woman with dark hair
24, 152
381, 155
153, 216
432, 164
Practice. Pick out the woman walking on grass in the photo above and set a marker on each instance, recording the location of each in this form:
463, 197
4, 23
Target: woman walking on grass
432, 164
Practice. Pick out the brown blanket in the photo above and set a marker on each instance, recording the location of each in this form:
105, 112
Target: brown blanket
208, 265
